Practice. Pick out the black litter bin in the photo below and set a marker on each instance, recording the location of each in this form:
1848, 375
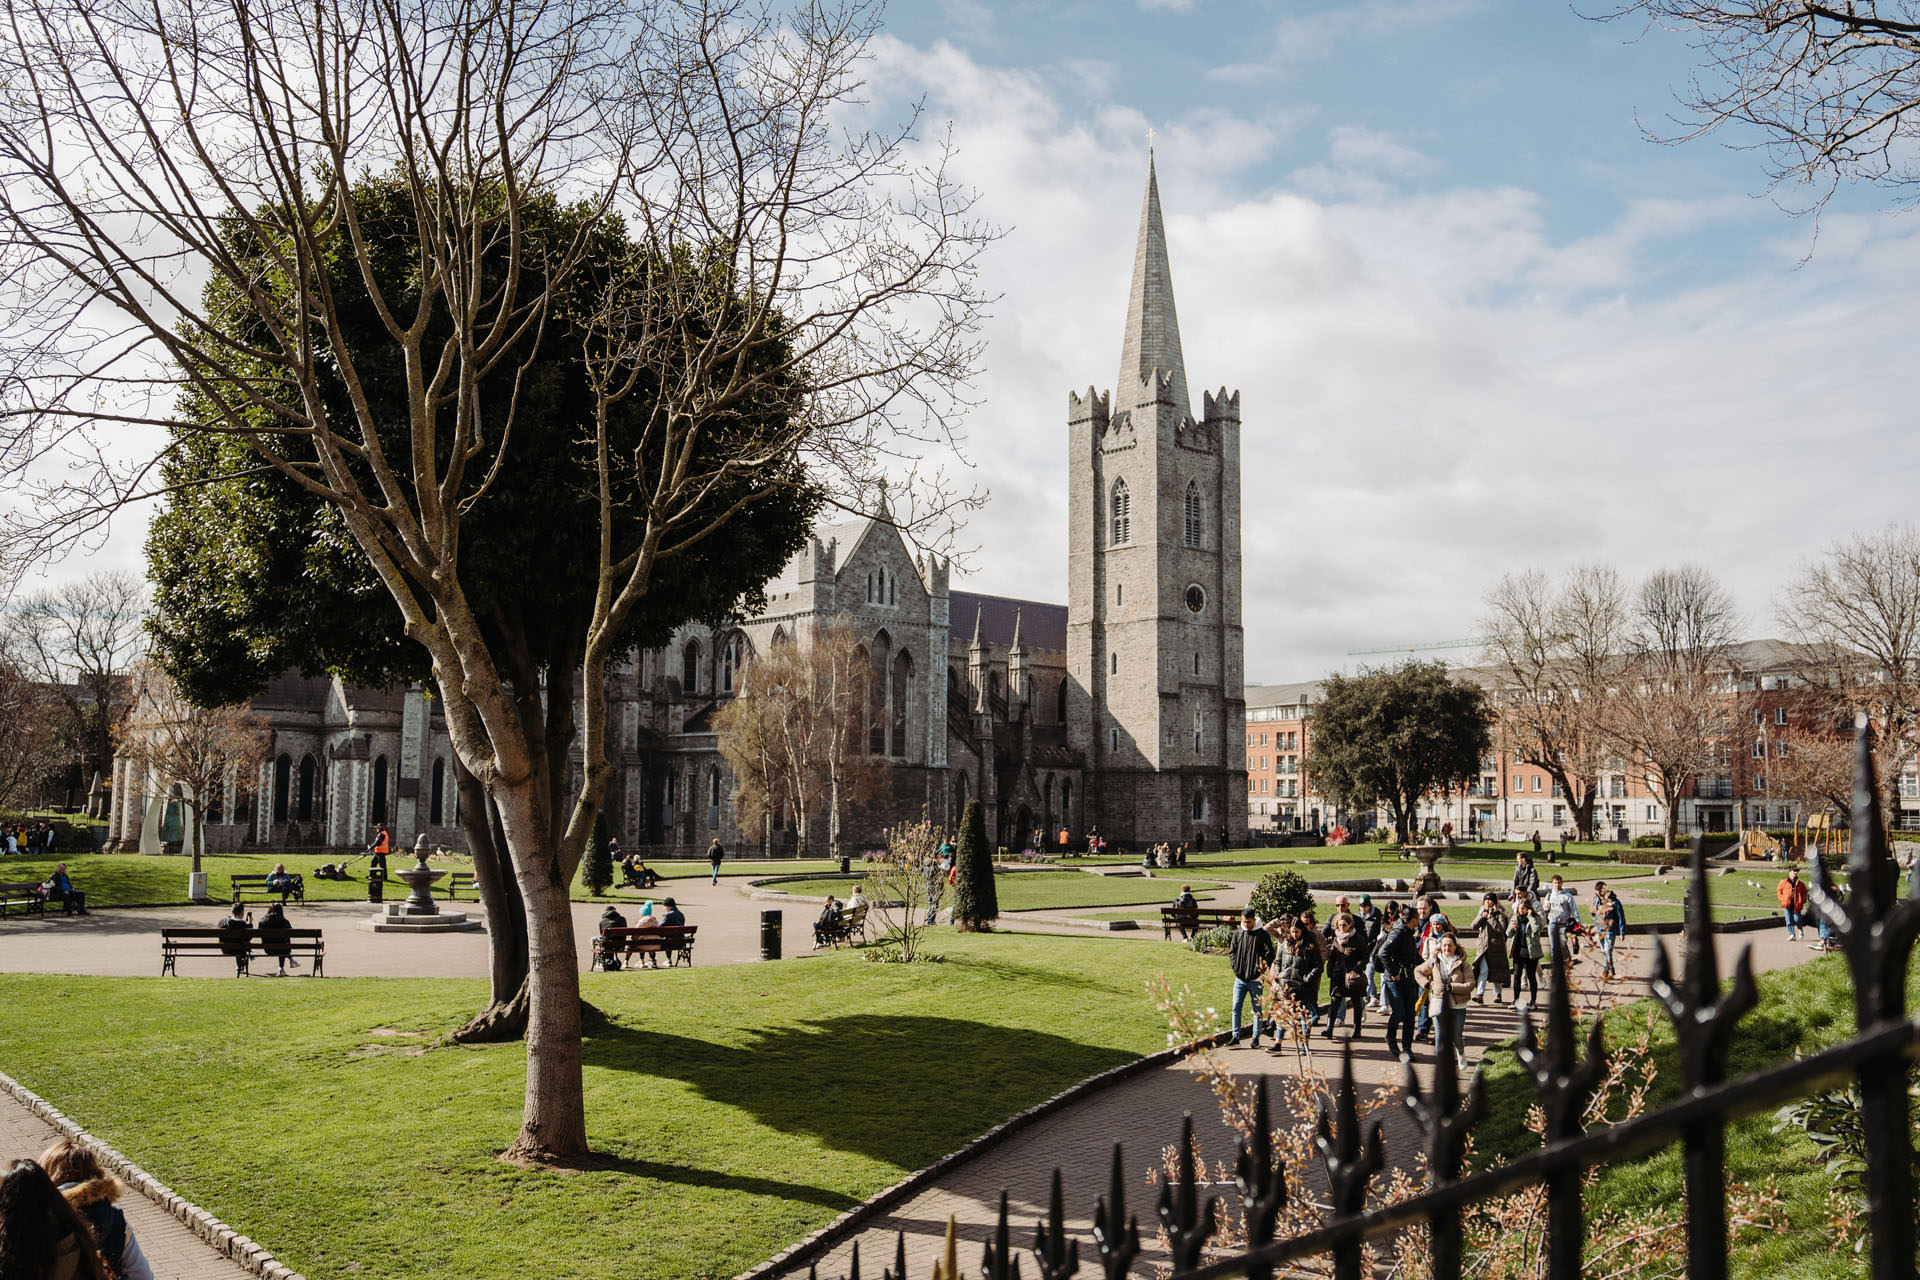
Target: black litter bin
769, 935
846, 865
376, 887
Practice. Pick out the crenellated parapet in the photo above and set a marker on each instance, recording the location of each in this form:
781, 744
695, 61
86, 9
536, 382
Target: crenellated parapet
1223, 407
1091, 409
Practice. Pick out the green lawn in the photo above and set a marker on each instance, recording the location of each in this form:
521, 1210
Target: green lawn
115, 879
1397, 869
740, 1107
1041, 890
1726, 891
1804, 1008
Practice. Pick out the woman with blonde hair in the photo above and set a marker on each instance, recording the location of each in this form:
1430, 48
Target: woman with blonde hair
92, 1192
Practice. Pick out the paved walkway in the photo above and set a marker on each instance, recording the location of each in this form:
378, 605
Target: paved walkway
1144, 1115
175, 1252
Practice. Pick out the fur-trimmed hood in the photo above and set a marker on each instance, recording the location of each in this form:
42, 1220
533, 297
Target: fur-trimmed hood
92, 1191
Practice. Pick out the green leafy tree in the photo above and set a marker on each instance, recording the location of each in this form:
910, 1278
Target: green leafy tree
1395, 736
1280, 893
976, 903
254, 574
596, 869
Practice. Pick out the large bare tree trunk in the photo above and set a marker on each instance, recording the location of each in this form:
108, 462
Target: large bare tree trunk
505, 1017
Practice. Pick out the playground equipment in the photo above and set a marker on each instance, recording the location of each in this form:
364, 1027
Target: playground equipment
1821, 836
1756, 846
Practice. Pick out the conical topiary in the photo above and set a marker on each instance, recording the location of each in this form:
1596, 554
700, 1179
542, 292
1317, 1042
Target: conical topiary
975, 903
596, 868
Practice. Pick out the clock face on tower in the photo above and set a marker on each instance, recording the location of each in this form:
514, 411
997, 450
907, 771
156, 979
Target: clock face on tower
1196, 599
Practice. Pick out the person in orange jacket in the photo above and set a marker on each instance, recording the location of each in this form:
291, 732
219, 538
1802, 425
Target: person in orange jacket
1792, 893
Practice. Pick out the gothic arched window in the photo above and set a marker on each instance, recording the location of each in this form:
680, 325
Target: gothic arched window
437, 804
1060, 703
1193, 514
902, 700
690, 667
307, 769
379, 813
1122, 515
731, 653
282, 784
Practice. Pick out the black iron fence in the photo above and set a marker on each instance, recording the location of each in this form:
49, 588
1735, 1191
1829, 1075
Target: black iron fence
1876, 927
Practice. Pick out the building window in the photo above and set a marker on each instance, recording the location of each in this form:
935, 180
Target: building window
1199, 727
1199, 806
1536, 786
902, 693
307, 768
730, 654
436, 805
1113, 664
282, 784
1122, 525
1193, 514
1559, 815
1119, 594
380, 789
1113, 739
1780, 716
1196, 664
1519, 785
1760, 749
690, 667
1060, 703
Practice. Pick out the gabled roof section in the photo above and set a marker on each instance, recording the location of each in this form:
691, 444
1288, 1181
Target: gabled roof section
1042, 626
1152, 337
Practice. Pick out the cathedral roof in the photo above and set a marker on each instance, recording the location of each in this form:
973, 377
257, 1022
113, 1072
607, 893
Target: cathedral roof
1042, 626
1152, 337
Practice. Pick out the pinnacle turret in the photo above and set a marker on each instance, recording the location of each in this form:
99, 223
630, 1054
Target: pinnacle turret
1152, 337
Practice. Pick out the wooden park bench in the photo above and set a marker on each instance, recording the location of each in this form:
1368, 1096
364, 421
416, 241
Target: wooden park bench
1392, 851
459, 880
850, 924
1188, 920
225, 943
22, 895
253, 888
675, 942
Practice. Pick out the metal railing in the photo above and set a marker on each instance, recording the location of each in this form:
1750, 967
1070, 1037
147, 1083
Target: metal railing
1876, 928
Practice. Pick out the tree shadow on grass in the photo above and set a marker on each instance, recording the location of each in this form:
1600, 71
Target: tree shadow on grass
688, 1176
906, 1090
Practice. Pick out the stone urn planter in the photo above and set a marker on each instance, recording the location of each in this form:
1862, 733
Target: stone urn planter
1428, 855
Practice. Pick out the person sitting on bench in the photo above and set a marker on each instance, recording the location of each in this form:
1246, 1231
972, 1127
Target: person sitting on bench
638, 874
828, 925
1186, 901
276, 937
674, 917
610, 919
278, 881
856, 899
60, 889
235, 932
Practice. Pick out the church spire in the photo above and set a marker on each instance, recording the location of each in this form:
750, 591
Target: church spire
1152, 337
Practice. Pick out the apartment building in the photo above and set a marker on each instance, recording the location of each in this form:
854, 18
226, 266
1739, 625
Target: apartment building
1512, 799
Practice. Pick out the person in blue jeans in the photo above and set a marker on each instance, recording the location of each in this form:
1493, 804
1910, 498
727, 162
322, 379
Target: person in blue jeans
1396, 958
1249, 955
1792, 895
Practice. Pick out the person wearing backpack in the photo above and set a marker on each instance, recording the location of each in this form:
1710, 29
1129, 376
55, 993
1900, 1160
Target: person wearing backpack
1523, 947
1395, 958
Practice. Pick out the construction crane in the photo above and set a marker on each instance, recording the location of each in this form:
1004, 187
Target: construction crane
1471, 642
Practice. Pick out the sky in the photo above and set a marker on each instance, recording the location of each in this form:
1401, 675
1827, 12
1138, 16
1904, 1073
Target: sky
1479, 320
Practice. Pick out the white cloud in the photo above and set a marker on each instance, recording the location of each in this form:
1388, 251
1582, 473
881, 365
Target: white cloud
1299, 38
1437, 389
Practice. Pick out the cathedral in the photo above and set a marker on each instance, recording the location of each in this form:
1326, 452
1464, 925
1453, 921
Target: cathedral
1122, 710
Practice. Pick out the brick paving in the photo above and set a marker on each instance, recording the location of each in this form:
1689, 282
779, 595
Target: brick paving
175, 1252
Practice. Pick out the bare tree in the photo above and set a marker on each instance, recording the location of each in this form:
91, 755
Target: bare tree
1855, 613
199, 750
1678, 696
81, 639
28, 721
794, 738
1833, 88
164, 170
1555, 653
1812, 764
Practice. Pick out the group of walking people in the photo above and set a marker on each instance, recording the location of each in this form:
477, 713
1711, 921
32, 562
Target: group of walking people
36, 840
59, 1220
1409, 963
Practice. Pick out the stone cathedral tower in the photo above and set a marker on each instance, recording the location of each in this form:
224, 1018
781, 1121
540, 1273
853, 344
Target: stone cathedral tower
1155, 650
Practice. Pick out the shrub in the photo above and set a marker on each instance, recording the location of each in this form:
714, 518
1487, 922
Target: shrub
976, 903
1377, 835
1280, 893
1212, 942
1649, 842
596, 868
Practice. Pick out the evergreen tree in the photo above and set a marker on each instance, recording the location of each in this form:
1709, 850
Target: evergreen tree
975, 902
596, 868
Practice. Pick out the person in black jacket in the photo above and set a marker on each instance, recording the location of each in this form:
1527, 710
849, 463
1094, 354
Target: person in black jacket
1248, 956
1396, 957
276, 937
236, 938
41, 1234
1296, 969
1526, 879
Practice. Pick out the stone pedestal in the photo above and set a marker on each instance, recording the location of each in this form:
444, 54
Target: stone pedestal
399, 917
1428, 854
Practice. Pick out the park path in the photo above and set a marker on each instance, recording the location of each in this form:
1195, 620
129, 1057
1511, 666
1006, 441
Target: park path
1144, 1115
175, 1252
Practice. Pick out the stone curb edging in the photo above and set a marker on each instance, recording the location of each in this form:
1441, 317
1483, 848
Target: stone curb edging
220, 1237
856, 1218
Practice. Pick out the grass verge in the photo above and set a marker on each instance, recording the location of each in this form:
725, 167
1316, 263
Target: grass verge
1801, 1009
1043, 890
739, 1107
